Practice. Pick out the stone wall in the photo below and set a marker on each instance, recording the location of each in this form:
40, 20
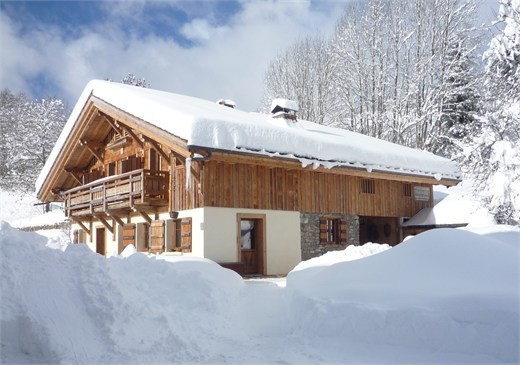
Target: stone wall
310, 234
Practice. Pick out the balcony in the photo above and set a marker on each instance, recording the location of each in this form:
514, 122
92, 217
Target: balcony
139, 189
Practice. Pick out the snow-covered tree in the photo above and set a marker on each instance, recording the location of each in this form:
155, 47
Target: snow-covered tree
131, 79
303, 73
493, 152
29, 131
399, 70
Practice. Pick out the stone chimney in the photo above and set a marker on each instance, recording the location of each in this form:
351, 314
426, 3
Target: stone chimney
284, 108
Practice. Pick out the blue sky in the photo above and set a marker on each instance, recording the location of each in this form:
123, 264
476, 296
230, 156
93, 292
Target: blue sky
210, 49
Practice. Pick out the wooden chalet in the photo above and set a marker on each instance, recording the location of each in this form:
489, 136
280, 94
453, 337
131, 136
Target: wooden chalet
177, 175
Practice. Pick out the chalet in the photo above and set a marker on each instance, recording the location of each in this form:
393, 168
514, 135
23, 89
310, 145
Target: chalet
173, 174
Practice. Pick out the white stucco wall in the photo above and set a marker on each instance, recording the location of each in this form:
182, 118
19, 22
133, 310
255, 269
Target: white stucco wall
282, 240
214, 236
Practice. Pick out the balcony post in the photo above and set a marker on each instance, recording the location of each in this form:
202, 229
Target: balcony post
143, 186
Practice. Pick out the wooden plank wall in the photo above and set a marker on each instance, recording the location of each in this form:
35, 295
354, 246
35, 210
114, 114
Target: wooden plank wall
259, 187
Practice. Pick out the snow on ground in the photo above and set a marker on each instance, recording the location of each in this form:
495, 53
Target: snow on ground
445, 296
23, 211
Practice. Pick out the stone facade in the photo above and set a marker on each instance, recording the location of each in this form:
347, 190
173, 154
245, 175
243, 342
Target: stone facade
310, 234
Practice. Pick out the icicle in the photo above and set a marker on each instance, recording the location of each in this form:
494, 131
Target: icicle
188, 173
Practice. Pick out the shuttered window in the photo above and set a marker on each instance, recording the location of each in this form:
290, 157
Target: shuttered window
92, 176
128, 234
131, 164
182, 235
333, 231
157, 236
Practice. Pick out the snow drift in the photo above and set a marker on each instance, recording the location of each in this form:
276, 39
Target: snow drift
445, 290
446, 296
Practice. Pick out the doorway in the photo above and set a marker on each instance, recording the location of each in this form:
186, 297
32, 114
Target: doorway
100, 241
251, 242
379, 230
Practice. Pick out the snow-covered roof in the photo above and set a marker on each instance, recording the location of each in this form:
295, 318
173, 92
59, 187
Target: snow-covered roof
458, 207
206, 124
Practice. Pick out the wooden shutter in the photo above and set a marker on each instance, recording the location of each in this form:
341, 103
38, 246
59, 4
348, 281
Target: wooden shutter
323, 231
186, 234
157, 236
128, 234
342, 231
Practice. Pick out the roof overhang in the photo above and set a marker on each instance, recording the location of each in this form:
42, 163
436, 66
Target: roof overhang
93, 108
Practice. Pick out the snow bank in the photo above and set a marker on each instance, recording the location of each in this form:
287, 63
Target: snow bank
79, 307
445, 290
348, 254
446, 296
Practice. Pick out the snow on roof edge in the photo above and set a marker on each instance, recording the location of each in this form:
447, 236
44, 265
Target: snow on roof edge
207, 124
60, 142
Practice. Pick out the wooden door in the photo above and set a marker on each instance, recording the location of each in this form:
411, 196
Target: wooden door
100, 241
251, 244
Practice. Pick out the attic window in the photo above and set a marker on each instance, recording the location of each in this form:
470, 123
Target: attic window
407, 189
368, 186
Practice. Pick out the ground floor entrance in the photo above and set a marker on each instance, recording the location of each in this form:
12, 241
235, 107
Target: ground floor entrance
379, 230
251, 243
100, 241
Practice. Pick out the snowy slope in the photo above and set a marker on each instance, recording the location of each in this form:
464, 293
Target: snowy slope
207, 124
447, 296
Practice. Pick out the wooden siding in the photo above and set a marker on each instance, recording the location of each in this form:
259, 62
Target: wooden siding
259, 187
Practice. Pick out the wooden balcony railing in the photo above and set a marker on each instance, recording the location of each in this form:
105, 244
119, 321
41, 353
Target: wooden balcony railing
126, 191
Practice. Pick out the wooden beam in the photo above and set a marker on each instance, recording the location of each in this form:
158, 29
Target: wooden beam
105, 223
74, 172
144, 215
164, 138
91, 146
156, 147
82, 226
131, 133
117, 219
112, 124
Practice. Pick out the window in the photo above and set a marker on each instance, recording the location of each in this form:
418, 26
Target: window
368, 186
78, 236
247, 234
112, 169
154, 160
182, 235
131, 164
333, 231
407, 189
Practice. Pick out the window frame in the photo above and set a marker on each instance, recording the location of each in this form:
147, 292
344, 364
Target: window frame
332, 231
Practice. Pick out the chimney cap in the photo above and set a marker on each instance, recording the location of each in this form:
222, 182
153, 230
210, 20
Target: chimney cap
284, 108
227, 102
281, 104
